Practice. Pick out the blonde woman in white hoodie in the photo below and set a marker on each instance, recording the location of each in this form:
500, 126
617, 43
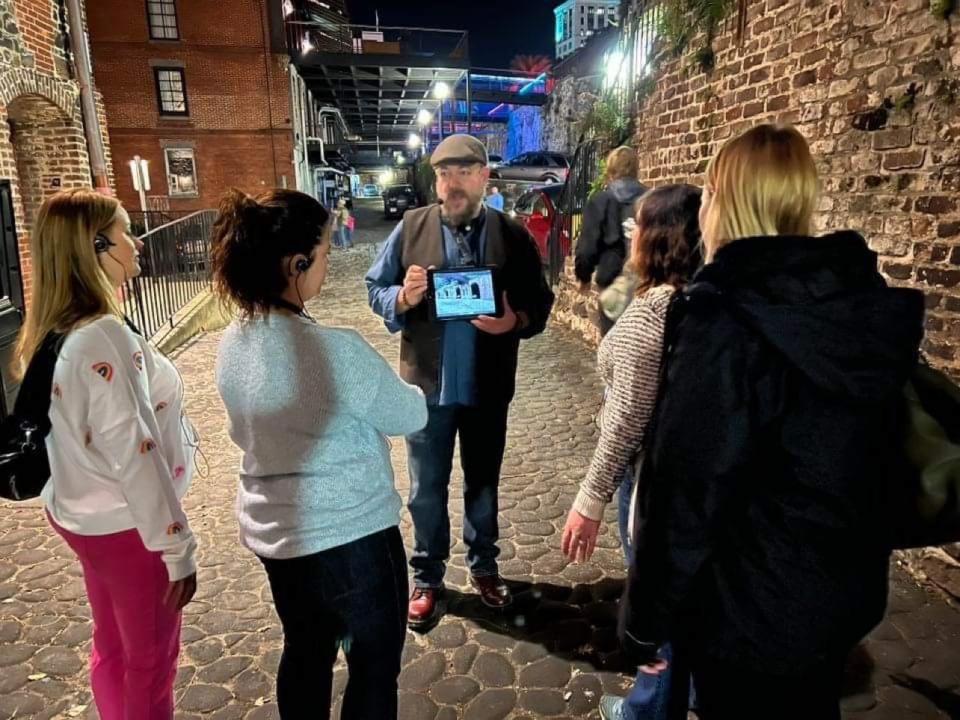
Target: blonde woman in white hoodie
120, 452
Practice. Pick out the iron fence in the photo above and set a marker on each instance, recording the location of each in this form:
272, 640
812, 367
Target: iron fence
584, 169
142, 222
637, 49
175, 264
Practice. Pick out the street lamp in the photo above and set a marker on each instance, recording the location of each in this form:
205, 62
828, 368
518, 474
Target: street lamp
441, 91
140, 173
414, 141
424, 118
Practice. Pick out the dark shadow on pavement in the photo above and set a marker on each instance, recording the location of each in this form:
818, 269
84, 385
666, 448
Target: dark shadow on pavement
947, 701
577, 624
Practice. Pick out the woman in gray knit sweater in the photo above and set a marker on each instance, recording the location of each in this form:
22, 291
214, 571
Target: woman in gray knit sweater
665, 252
311, 408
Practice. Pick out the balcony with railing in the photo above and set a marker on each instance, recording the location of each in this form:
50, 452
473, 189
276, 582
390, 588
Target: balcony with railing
380, 45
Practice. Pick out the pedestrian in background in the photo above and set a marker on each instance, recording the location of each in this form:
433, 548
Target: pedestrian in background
603, 245
466, 369
346, 222
311, 408
664, 254
760, 552
120, 451
495, 199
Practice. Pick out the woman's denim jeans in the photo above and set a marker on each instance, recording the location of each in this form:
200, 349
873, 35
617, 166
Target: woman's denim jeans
650, 697
352, 597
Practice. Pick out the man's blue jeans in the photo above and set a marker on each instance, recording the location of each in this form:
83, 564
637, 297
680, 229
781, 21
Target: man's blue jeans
483, 433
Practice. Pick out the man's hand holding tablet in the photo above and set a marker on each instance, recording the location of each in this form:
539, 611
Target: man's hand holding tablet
413, 290
508, 322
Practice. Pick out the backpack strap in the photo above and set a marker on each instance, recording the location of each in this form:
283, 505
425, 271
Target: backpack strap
33, 399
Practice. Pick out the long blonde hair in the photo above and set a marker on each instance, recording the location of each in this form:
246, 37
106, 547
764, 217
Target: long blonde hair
761, 183
69, 286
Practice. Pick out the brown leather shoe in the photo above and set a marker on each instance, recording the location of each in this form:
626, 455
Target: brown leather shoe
493, 590
425, 607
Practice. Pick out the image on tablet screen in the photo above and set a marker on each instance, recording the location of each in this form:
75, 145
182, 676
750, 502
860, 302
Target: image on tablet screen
464, 294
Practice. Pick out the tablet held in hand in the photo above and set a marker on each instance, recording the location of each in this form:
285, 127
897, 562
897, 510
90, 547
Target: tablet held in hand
463, 293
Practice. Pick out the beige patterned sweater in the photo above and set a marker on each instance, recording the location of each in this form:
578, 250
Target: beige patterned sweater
629, 363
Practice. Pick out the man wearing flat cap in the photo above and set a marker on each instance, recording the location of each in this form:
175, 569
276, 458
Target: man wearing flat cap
467, 369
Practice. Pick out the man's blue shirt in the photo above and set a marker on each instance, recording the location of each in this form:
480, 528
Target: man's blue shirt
458, 354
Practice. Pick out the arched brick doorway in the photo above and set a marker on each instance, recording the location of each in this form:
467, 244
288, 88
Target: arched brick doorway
42, 149
49, 154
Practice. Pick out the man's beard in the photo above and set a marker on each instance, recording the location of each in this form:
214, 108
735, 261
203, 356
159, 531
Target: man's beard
471, 210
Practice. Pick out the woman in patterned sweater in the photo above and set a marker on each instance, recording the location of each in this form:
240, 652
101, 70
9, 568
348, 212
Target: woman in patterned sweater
665, 252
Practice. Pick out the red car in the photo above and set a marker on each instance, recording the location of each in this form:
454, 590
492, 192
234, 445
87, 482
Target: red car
536, 209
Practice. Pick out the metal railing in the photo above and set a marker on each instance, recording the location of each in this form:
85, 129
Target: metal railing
637, 48
175, 264
143, 222
305, 36
566, 222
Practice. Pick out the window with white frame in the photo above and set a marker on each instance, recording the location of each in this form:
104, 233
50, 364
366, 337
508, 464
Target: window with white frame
162, 19
181, 172
171, 91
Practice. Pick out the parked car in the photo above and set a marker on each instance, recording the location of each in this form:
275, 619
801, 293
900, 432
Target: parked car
494, 161
545, 167
536, 210
371, 190
397, 199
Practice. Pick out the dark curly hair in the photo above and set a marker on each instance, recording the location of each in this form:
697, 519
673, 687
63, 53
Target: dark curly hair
252, 236
668, 249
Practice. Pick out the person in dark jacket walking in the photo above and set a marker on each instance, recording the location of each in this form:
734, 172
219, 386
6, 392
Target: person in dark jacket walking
602, 246
761, 553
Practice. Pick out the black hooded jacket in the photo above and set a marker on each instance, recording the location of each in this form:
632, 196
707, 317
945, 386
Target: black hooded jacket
760, 538
602, 245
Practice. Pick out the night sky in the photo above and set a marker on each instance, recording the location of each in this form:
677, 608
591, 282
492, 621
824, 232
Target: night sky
499, 29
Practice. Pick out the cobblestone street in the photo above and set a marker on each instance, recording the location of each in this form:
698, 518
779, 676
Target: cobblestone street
552, 655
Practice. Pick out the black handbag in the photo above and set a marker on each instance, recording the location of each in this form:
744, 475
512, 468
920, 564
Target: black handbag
24, 465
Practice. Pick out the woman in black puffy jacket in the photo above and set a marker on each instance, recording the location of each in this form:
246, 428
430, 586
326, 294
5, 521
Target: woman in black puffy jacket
761, 554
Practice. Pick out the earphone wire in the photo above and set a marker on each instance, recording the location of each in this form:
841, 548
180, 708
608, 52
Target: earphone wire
303, 306
187, 428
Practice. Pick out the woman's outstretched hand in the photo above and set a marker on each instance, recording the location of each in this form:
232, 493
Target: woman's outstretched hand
579, 537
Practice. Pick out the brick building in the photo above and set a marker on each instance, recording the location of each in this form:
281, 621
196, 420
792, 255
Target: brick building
43, 147
875, 87
197, 90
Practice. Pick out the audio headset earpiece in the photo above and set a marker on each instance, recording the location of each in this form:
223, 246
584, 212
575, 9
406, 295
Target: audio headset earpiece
302, 265
101, 243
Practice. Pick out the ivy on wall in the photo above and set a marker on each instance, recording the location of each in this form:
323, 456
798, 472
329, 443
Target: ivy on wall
683, 20
942, 8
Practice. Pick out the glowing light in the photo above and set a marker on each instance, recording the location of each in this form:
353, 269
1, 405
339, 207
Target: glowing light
441, 91
424, 118
614, 68
307, 44
414, 141
386, 178
287, 8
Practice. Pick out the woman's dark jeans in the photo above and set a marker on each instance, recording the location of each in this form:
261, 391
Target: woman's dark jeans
653, 697
355, 597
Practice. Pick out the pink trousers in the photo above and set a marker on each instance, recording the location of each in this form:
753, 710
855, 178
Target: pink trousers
136, 638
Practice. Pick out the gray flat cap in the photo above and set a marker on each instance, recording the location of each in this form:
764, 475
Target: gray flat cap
459, 149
